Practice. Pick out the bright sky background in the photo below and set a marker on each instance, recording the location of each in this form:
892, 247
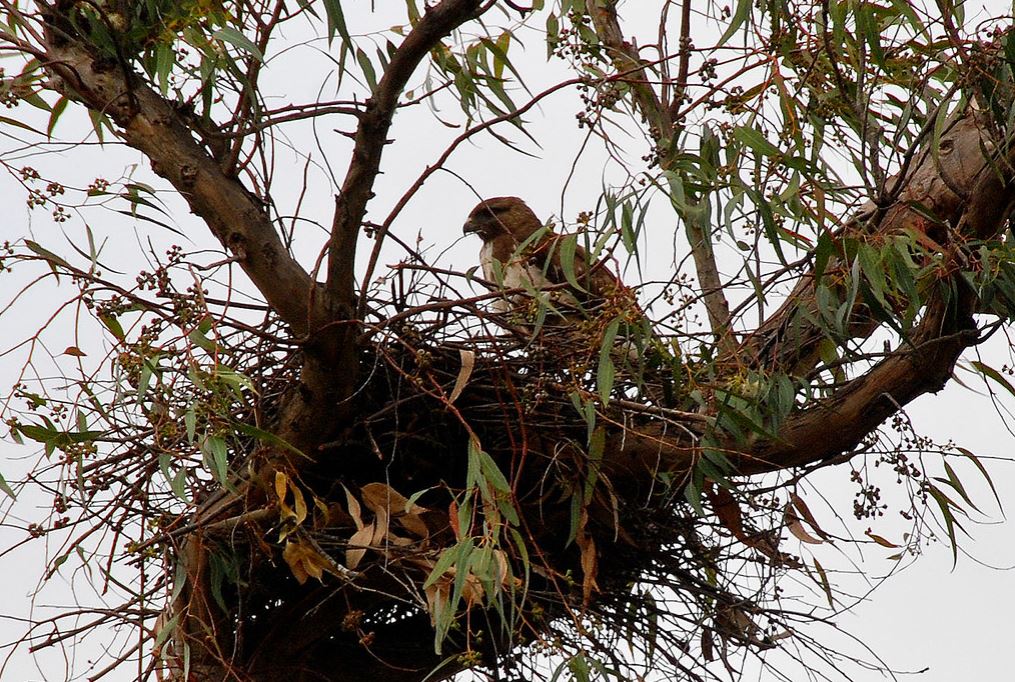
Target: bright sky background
956, 623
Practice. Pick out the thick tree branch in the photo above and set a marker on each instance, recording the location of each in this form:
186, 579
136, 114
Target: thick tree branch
968, 192
829, 427
625, 59
236, 217
372, 136
970, 189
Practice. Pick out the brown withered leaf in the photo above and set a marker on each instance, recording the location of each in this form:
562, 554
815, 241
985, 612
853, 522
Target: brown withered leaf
384, 500
825, 584
727, 510
707, 646
794, 526
382, 497
438, 594
414, 524
880, 540
462, 380
806, 515
589, 562
453, 520
358, 544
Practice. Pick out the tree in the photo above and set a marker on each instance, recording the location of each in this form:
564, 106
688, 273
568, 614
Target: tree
291, 459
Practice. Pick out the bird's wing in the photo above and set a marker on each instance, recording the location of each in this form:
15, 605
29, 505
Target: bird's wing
565, 261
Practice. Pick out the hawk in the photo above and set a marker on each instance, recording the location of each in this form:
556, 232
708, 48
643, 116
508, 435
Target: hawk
520, 253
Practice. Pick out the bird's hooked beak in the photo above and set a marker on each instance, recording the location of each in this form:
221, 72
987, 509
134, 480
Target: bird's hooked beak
471, 226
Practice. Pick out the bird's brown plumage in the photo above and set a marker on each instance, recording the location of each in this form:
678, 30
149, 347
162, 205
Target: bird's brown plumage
520, 253
514, 258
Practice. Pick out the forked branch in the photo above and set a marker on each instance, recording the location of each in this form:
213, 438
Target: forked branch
372, 136
663, 131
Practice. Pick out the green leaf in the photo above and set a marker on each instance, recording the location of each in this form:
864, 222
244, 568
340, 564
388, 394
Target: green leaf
166, 630
165, 60
692, 493
148, 365
7, 490
99, 120
568, 249
58, 108
983, 472
368, 69
867, 25
741, 14
201, 341
47, 255
336, 20
552, 33
19, 124
230, 35
873, 271
489, 469
755, 140
445, 561
251, 430
945, 505
606, 373
217, 457
956, 484
190, 422
989, 371
55, 437
113, 325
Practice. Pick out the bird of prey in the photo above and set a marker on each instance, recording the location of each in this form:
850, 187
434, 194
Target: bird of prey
520, 253
593, 310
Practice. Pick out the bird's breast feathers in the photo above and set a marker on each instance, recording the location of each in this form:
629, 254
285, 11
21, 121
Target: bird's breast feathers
511, 272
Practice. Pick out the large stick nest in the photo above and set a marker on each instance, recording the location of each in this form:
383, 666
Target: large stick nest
513, 533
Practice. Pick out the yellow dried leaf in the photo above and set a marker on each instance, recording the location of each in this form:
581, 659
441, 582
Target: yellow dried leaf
300, 504
305, 562
589, 566
281, 484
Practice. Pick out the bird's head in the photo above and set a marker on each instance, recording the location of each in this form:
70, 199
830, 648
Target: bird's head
502, 215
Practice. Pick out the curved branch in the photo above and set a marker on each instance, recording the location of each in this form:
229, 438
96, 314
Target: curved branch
972, 190
236, 217
830, 427
960, 183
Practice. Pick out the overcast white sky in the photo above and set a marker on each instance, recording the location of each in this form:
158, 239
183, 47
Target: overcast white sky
956, 623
